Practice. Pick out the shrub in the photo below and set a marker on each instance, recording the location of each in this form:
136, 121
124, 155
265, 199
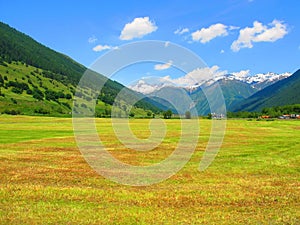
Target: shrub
41, 111
29, 92
167, 114
17, 90
14, 101
66, 104
11, 112
38, 94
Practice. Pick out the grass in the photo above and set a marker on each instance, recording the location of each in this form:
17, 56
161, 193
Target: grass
255, 179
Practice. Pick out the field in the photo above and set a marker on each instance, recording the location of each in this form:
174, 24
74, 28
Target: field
255, 179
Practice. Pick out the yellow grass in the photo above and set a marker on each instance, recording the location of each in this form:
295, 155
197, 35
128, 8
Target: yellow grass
45, 180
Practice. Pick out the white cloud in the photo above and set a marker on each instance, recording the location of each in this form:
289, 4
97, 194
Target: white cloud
163, 66
195, 78
100, 48
222, 51
138, 28
241, 74
92, 39
167, 44
207, 34
150, 84
259, 33
142, 87
278, 31
181, 31
199, 75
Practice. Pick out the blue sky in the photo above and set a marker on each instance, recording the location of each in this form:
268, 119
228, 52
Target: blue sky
257, 36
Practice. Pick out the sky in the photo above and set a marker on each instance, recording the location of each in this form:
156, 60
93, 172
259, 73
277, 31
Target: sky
234, 36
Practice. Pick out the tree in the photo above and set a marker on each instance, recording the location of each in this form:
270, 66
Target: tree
107, 112
209, 116
131, 114
167, 114
68, 96
38, 94
1, 81
188, 115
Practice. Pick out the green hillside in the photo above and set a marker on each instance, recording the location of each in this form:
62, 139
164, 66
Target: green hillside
233, 92
37, 80
284, 92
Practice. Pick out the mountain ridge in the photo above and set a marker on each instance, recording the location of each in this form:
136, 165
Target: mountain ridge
283, 92
235, 89
257, 81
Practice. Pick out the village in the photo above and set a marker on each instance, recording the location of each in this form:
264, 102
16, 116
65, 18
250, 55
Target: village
286, 116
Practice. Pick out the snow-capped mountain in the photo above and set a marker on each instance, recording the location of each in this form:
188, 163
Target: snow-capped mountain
236, 87
258, 81
263, 77
258, 78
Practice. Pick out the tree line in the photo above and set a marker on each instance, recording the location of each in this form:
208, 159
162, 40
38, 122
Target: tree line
272, 112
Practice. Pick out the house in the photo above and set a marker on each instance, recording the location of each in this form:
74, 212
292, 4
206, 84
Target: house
217, 116
289, 116
286, 116
265, 117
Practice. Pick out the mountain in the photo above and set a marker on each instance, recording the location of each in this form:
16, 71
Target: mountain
173, 98
235, 87
283, 92
259, 81
35, 79
233, 91
180, 100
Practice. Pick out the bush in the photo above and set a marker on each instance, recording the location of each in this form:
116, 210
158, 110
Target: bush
41, 111
131, 114
51, 95
188, 115
38, 94
1, 81
17, 86
167, 114
14, 101
11, 112
66, 104
17, 90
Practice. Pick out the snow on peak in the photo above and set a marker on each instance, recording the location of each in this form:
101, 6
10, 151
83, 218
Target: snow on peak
204, 76
266, 77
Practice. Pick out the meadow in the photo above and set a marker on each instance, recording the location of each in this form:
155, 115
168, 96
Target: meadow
44, 179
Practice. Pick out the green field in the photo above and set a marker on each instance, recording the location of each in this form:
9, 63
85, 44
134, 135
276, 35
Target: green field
255, 179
